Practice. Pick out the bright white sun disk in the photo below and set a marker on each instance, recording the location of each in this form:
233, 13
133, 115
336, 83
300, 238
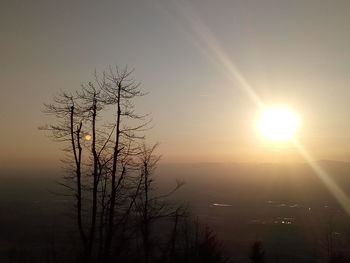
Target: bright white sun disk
278, 123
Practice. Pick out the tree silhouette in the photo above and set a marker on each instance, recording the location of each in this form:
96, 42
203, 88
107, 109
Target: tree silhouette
257, 255
100, 154
110, 175
109, 168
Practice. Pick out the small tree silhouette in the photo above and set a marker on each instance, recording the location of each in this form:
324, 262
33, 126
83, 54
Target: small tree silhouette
209, 248
257, 254
337, 257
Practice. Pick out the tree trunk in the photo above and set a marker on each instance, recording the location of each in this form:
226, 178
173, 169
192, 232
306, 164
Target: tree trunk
77, 158
110, 227
95, 180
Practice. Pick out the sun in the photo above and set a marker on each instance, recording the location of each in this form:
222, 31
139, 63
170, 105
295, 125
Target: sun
278, 123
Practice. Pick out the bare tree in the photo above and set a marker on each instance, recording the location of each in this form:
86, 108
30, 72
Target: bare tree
68, 129
92, 106
111, 173
150, 206
148, 163
109, 148
119, 90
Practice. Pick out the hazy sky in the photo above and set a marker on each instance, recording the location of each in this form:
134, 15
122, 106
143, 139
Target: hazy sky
293, 53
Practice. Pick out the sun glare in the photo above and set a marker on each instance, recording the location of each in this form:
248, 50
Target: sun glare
278, 123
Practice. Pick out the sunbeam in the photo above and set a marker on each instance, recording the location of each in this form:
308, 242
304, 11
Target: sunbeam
337, 192
212, 49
